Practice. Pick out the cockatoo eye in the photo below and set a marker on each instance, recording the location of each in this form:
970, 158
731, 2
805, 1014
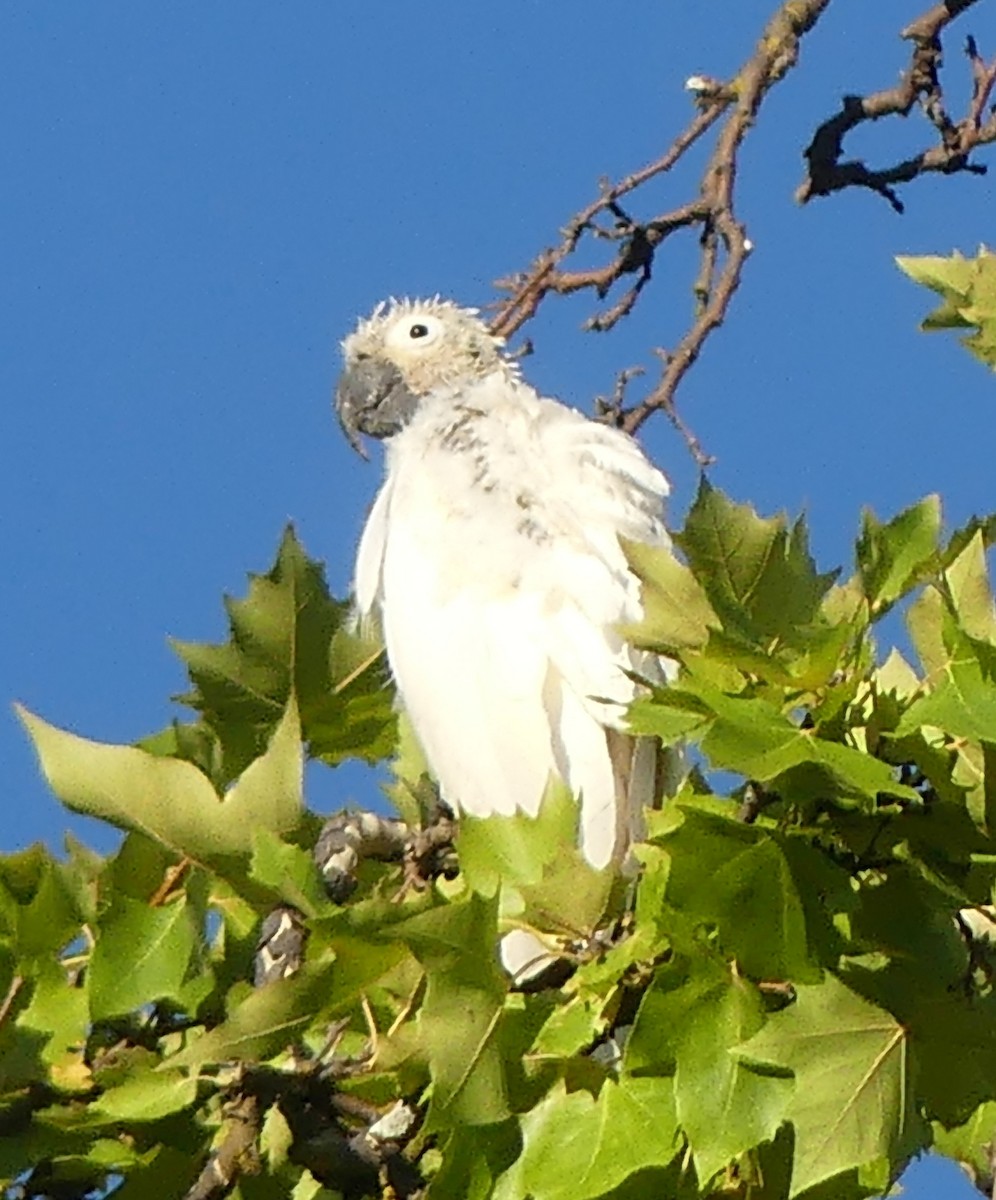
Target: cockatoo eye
415, 332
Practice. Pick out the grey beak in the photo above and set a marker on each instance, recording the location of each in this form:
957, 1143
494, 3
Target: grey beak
372, 398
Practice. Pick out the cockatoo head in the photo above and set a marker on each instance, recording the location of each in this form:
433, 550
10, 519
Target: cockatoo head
402, 352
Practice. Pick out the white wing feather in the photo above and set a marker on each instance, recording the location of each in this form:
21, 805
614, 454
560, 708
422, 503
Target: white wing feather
493, 554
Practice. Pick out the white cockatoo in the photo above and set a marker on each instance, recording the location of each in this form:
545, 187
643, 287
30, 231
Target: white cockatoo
492, 558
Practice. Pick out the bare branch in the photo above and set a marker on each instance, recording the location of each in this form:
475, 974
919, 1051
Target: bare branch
733, 106
920, 83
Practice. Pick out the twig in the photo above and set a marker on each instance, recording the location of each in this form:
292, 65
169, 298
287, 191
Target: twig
611, 408
983, 79
16, 983
171, 878
733, 105
238, 1153
920, 82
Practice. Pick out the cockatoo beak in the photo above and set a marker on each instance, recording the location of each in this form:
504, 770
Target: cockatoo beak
372, 398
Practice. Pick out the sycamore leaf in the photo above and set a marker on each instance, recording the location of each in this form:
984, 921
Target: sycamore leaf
578, 1146
42, 918
287, 871
756, 572
970, 1143
517, 849
145, 1096
725, 1107
891, 556
61, 1012
752, 737
570, 1028
290, 636
736, 877
691, 1018
962, 702
967, 287
411, 789
170, 800
193, 741
142, 955
473, 1158
967, 580
954, 1038
538, 853
853, 1102
265, 1022
459, 1019
676, 609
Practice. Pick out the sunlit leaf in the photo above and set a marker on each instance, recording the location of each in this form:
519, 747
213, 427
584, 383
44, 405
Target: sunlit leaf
967, 287
852, 1102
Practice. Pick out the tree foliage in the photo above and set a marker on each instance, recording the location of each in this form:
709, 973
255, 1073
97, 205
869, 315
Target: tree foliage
792, 995
787, 1001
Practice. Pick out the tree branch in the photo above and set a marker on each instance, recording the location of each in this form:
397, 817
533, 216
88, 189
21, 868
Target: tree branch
733, 106
237, 1154
920, 82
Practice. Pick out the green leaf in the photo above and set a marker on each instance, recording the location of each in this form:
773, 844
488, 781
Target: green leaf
137, 869
166, 1173
360, 963
59, 1009
892, 556
51, 918
667, 715
907, 917
853, 1101
193, 741
725, 1107
962, 701
925, 621
970, 1143
473, 1158
967, 579
355, 717
517, 849
80, 872
968, 290
736, 876
265, 1022
676, 609
757, 574
578, 1146
287, 871
570, 1028
289, 636
142, 955
411, 790
170, 800
539, 858
954, 1037
752, 738
148, 1096
458, 1023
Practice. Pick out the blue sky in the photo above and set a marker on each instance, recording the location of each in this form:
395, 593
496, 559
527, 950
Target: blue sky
201, 199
